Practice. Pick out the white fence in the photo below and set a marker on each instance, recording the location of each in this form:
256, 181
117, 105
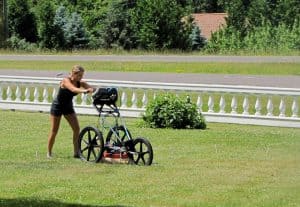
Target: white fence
219, 103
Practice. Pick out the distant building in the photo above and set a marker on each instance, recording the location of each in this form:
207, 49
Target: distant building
209, 22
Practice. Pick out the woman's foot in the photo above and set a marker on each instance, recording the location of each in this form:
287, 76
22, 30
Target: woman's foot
49, 155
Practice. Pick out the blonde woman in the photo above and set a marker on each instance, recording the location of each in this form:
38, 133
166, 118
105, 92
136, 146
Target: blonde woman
63, 105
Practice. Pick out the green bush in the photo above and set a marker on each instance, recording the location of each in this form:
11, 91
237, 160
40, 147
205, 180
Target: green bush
169, 111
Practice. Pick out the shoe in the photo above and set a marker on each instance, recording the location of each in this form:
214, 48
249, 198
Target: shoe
49, 155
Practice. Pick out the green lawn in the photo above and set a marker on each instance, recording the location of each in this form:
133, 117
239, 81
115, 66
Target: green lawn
225, 165
212, 68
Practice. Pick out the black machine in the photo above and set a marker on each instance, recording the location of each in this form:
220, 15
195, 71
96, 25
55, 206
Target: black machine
119, 144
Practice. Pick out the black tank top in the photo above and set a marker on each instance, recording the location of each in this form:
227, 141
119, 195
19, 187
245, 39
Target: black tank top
65, 96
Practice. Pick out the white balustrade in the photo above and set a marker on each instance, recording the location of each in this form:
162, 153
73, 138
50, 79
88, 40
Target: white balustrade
245, 104
211, 104
199, 103
234, 105
295, 108
144, 100
222, 104
258, 106
134, 99
282, 107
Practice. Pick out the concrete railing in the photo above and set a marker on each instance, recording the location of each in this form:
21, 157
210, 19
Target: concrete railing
218, 103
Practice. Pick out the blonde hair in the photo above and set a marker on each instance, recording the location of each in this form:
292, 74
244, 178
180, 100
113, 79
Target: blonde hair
77, 69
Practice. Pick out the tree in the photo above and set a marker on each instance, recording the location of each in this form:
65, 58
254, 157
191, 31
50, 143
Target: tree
46, 27
21, 20
207, 6
197, 41
116, 31
60, 22
161, 24
75, 33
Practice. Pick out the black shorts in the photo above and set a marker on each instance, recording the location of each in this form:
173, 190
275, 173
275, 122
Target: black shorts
59, 109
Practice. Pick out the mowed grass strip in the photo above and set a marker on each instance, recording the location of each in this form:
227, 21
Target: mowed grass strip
211, 68
225, 165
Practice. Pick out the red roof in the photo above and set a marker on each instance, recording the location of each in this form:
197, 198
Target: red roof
209, 22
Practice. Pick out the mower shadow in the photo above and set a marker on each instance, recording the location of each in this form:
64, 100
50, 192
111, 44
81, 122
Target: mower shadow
24, 202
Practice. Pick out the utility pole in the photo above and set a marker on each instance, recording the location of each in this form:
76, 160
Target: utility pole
3, 21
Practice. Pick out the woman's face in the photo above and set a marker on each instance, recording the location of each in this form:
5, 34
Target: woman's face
77, 76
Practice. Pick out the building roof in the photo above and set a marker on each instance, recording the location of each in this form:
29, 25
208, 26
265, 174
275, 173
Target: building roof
209, 22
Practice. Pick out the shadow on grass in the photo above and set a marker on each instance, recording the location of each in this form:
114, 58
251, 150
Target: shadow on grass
26, 202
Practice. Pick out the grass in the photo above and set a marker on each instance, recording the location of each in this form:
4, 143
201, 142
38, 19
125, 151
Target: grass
212, 68
225, 165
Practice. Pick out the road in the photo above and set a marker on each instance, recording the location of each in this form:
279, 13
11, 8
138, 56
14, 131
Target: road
250, 80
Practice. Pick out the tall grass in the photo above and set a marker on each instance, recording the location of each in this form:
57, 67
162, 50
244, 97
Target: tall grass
225, 165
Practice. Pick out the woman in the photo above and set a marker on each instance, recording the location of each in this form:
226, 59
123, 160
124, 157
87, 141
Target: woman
63, 105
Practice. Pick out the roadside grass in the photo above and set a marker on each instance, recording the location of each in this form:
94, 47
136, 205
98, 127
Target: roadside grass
169, 67
225, 165
271, 52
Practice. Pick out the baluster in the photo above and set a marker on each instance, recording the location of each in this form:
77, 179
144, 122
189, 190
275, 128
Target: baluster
134, 99
45, 95
246, 105
270, 107
258, 106
154, 96
295, 108
8, 93
234, 105
282, 107
27, 94
124, 100
222, 104
75, 100
144, 100
199, 103
18, 93
36, 94
1, 93
210, 104
84, 99
53, 93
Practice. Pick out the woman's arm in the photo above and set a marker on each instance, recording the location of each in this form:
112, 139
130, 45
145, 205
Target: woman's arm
66, 83
86, 86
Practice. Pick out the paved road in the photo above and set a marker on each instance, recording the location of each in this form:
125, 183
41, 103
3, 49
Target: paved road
251, 80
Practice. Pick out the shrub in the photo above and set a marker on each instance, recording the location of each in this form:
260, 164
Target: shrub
15, 43
169, 111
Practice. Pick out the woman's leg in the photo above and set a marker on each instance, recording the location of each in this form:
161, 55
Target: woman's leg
73, 121
55, 121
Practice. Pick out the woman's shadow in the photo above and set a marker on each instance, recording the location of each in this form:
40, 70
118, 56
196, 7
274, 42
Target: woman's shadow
26, 202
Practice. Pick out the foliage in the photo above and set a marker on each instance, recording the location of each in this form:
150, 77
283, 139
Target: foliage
169, 111
262, 38
46, 27
160, 25
21, 21
197, 41
152, 24
16, 43
75, 34
116, 31
209, 6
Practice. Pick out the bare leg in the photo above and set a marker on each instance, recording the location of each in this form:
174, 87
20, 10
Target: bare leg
73, 121
55, 121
